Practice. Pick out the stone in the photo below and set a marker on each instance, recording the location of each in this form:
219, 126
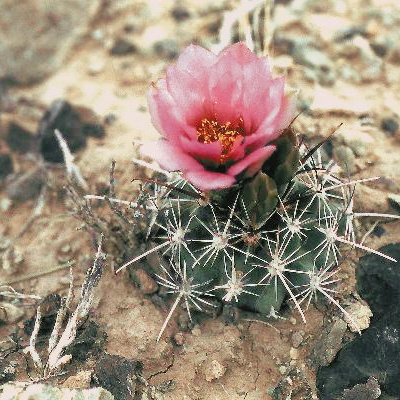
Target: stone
6, 165
345, 157
390, 126
328, 345
62, 116
118, 375
40, 391
18, 139
376, 352
122, 47
27, 185
53, 28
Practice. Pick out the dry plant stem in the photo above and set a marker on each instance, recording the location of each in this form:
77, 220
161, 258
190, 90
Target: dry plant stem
73, 171
37, 274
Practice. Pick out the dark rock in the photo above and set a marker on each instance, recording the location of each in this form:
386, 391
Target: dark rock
19, 139
378, 231
92, 125
368, 391
390, 125
293, 386
62, 116
377, 351
118, 375
27, 186
166, 48
89, 341
122, 47
378, 280
7, 371
110, 119
6, 165
179, 13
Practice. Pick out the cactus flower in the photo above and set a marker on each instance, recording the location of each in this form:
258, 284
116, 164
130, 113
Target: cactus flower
217, 115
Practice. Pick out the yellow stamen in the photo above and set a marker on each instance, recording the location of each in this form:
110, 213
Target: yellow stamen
211, 130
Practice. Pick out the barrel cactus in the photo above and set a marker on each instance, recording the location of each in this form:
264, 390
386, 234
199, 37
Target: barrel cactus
241, 212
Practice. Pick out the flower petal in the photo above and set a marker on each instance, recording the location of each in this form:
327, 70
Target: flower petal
208, 180
169, 156
187, 81
253, 162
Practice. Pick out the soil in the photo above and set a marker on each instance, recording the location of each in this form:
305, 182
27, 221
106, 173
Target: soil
214, 359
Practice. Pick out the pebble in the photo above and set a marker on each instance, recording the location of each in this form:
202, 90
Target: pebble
60, 115
79, 381
214, 370
345, 157
27, 186
297, 338
10, 313
36, 37
40, 391
122, 47
294, 353
19, 139
390, 126
361, 314
6, 165
146, 283
179, 339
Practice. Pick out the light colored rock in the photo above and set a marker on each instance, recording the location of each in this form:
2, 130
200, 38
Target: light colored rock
361, 315
214, 370
36, 36
39, 391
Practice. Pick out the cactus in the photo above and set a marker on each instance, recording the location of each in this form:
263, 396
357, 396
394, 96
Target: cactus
275, 236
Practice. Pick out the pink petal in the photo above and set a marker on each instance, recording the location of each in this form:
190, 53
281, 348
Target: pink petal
225, 87
202, 151
165, 115
169, 157
237, 52
208, 180
187, 81
253, 162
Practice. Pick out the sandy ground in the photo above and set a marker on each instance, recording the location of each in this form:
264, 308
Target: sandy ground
253, 356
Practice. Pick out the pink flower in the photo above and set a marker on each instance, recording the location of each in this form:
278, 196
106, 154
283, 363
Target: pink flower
218, 115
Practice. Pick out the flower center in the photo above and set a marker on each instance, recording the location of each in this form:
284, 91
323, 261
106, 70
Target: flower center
210, 131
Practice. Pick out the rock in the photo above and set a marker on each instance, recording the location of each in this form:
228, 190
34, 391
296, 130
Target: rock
390, 126
166, 48
146, 283
377, 351
328, 345
63, 117
179, 13
6, 165
293, 386
53, 29
317, 61
345, 157
214, 370
10, 313
40, 391
79, 381
118, 375
19, 139
27, 185
122, 47
377, 281
368, 391
74, 122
